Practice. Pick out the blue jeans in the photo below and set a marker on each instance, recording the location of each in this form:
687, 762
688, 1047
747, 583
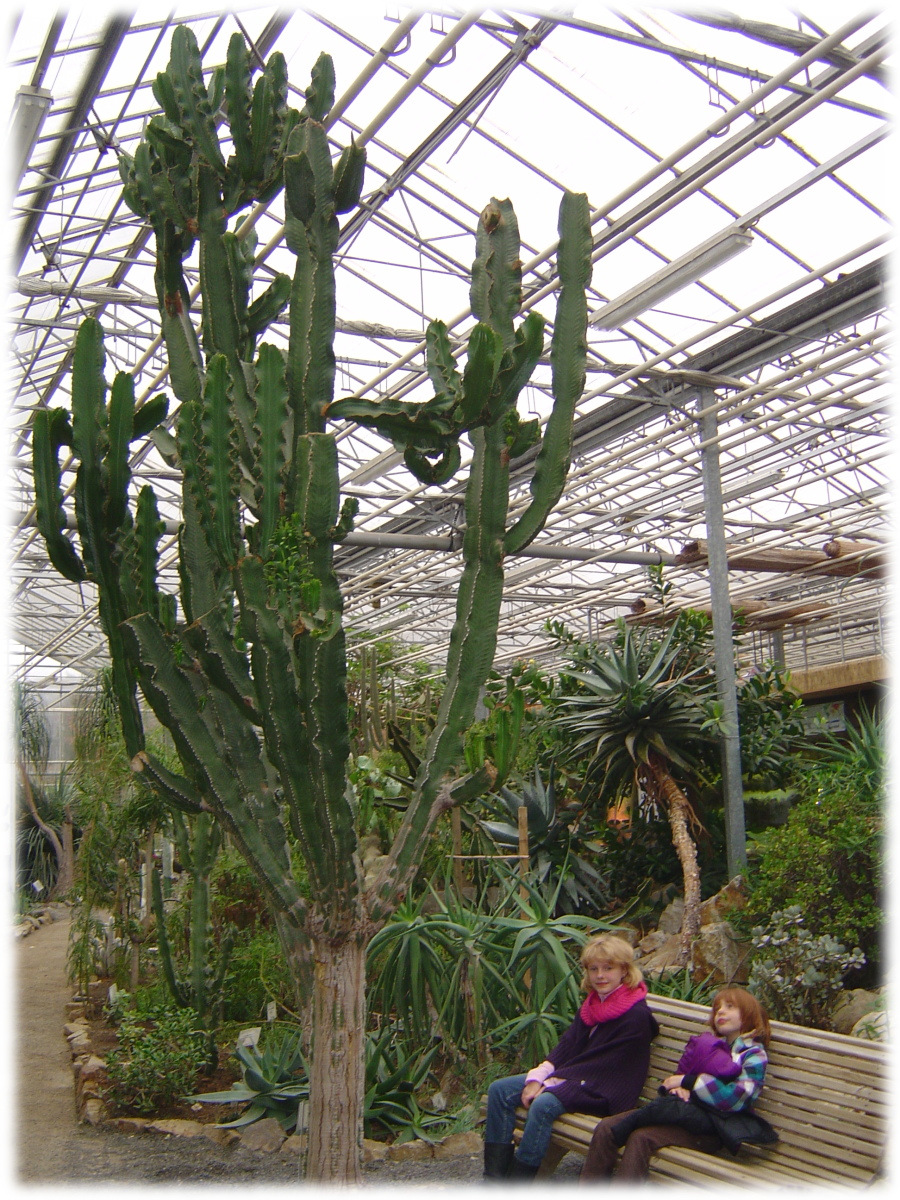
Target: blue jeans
504, 1097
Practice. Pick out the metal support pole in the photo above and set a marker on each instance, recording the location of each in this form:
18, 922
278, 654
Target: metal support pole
723, 642
778, 648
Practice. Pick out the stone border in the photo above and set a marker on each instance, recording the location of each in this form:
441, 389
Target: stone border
265, 1136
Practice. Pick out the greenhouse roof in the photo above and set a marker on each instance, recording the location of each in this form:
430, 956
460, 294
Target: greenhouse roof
736, 168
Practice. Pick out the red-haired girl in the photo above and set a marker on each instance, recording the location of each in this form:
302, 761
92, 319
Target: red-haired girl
706, 1104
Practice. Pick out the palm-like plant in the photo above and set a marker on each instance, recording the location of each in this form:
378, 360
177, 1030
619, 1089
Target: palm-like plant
638, 716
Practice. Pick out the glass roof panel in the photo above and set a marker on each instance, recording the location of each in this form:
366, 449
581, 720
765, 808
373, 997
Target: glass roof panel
667, 123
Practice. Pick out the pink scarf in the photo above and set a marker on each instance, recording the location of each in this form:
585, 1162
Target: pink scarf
594, 1009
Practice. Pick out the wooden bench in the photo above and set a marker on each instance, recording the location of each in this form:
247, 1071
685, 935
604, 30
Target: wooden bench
826, 1094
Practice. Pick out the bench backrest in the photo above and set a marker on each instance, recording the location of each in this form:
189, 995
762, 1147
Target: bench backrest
826, 1094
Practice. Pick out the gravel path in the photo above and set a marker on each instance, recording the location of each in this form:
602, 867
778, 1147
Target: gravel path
53, 1149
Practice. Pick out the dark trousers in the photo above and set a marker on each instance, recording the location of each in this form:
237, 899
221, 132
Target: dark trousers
642, 1144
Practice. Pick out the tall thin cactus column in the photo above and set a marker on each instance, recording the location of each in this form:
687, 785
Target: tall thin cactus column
246, 667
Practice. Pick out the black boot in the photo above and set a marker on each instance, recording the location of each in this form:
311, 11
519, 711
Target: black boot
498, 1158
520, 1172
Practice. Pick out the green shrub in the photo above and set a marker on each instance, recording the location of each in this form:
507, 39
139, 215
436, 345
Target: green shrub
798, 976
257, 973
158, 1060
828, 858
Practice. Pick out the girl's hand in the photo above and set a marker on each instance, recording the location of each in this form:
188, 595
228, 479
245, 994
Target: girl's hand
529, 1091
673, 1082
680, 1092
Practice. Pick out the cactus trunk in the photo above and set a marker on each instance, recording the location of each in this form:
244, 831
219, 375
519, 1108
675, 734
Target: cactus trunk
337, 1077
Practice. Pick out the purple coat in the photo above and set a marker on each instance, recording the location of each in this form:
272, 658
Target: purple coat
604, 1066
710, 1055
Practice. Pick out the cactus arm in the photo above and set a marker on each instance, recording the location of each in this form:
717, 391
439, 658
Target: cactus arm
267, 306
147, 531
225, 667
271, 401
267, 117
472, 644
175, 789
175, 703
320, 93
518, 363
121, 432
313, 238
480, 375
349, 176
166, 958
568, 356
237, 96
496, 290
437, 472
183, 351
151, 413
164, 92
203, 843
220, 461
439, 361
196, 113
286, 737
199, 573
222, 331
51, 518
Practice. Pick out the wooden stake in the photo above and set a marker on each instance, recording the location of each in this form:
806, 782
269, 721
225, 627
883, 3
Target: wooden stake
456, 830
524, 857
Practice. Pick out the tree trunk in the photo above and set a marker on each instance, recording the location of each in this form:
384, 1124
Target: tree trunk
679, 810
337, 1071
66, 877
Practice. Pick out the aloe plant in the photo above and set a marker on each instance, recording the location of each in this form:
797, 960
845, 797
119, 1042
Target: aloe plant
246, 666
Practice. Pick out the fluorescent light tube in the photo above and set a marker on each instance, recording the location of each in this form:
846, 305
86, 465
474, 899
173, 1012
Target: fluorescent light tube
31, 107
671, 279
750, 484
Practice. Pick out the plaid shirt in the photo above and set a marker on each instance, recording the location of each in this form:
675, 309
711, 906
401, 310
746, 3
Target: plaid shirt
731, 1095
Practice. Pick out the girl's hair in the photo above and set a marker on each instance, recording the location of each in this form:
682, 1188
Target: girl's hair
754, 1020
607, 948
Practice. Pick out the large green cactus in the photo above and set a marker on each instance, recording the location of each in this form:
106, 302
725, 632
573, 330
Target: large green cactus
247, 667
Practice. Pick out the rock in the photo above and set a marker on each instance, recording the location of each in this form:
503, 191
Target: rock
873, 1026
671, 916
129, 1124
717, 954
294, 1146
730, 898
663, 959
265, 1135
74, 1010
853, 1004
91, 1068
651, 942
80, 1042
78, 1025
219, 1136
438, 1102
415, 1151
374, 1151
459, 1144
93, 1112
373, 865
177, 1127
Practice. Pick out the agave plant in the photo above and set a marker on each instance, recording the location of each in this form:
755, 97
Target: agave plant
274, 1082
639, 717
555, 863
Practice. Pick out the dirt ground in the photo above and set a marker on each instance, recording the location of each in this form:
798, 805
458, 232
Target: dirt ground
52, 1150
